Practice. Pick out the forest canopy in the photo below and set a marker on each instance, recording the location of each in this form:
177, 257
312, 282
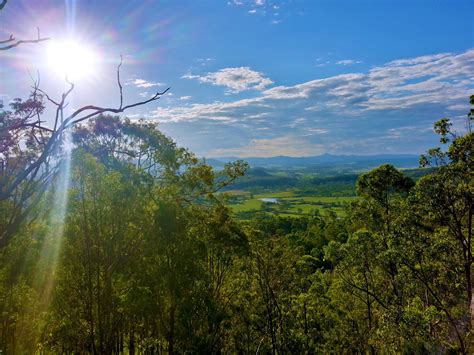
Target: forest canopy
146, 257
116, 240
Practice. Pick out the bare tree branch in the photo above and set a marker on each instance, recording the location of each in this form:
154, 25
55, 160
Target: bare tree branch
10, 39
17, 43
99, 110
118, 81
25, 175
61, 124
13, 42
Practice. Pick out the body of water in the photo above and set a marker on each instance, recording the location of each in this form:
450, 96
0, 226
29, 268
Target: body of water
269, 199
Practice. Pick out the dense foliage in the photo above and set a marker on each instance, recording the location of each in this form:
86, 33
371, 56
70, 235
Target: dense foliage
145, 257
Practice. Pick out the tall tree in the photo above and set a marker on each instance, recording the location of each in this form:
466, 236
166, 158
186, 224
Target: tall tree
449, 192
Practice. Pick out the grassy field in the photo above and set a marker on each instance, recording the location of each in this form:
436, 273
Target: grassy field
291, 202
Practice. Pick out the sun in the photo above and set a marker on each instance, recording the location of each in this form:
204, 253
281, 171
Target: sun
71, 60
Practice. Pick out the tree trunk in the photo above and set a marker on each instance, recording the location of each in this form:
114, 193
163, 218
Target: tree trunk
171, 332
131, 343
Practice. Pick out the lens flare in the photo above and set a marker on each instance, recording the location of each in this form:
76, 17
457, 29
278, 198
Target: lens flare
71, 59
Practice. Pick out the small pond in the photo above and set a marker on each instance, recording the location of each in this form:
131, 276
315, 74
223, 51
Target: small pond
269, 199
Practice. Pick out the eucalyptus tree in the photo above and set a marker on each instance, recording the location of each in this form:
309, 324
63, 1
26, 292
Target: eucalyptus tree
448, 195
31, 148
147, 244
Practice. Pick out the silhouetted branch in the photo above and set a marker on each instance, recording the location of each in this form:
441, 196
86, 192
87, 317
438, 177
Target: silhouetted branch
11, 39
14, 42
99, 110
119, 83
61, 124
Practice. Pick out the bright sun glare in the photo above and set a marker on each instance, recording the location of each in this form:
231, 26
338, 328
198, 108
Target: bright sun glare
71, 59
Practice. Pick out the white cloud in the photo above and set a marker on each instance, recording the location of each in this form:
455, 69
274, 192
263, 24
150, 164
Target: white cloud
427, 79
205, 61
389, 103
316, 130
225, 111
459, 107
395, 85
287, 145
348, 62
190, 76
235, 79
185, 98
322, 64
265, 9
348, 82
398, 85
141, 83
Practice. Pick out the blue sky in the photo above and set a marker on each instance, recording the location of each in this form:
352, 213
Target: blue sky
264, 78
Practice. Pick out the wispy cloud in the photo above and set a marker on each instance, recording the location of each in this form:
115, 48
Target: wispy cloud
348, 62
205, 61
317, 131
264, 8
397, 85
288, 145
380, 102
222, 111
235, 79
322, 62
142, 83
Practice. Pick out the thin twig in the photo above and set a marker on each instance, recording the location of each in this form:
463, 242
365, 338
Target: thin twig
17, 43
10, 39
118, 81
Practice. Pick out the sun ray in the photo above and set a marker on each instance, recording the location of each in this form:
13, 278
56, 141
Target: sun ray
71, 59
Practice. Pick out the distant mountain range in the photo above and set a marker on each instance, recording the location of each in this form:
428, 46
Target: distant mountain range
350, 162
